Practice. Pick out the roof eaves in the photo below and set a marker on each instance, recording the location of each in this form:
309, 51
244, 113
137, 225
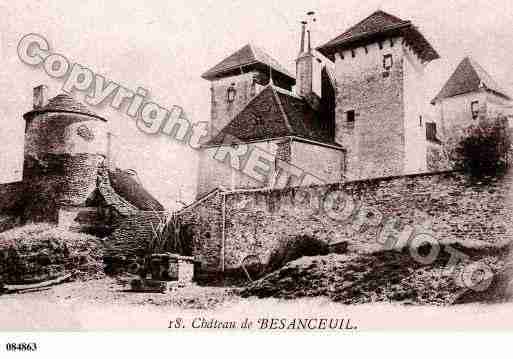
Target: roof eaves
339, 42
32, 113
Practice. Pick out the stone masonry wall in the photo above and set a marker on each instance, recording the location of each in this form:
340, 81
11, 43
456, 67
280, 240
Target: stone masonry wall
205, 220
57, 180
375, 145
448, 205
223, 111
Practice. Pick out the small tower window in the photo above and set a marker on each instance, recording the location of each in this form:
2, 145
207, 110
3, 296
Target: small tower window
420, 121
350, 118
387, 62
474, 108
231, 93
252, 89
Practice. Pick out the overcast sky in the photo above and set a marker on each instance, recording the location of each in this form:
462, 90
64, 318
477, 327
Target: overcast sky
164, 46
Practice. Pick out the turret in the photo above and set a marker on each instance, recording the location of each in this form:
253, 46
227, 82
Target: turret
64, 145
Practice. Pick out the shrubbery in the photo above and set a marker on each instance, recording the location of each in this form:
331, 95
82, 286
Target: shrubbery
484, 149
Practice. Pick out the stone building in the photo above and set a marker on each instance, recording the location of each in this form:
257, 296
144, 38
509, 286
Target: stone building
69, 177
379, 70
470, 95
252, 103
366, 121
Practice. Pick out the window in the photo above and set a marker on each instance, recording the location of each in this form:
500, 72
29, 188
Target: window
387, 62
420, 121
431, 131
474, 108
252, 89
230, 93
350, 118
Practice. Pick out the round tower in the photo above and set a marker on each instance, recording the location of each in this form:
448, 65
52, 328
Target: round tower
64, 145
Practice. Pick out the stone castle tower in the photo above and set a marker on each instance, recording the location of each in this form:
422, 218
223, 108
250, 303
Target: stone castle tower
65, 144
379, 69
239, 78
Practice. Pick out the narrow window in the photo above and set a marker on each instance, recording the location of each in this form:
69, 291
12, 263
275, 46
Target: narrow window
431, 131
420, 121
230, 93
387, 62
350, 118
252, 89
474, 108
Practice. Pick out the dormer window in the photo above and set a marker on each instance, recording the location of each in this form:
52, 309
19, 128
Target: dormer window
231, 93
474, 108
387, 62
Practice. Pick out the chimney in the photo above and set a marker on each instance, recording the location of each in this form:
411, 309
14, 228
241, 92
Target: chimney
304, 65
40, 96
302, 45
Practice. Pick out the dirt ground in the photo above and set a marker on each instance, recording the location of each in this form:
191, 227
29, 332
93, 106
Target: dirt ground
103, 305
110, 291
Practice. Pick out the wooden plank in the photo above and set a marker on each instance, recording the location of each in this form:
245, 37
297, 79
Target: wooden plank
12, 288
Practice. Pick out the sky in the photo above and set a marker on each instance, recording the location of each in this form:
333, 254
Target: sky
165, 46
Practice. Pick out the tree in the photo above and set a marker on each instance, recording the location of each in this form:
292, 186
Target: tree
484, 148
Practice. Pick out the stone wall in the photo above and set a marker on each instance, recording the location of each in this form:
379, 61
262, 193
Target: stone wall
56, 180
205, 219
223, 111
132, 234
446, 204
11, 196
325, 163
59, 133
375, 144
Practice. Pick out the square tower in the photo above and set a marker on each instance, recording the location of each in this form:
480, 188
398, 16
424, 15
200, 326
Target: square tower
379, 69
239, 78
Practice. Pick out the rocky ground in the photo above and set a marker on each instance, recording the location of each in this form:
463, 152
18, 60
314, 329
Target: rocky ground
383, 276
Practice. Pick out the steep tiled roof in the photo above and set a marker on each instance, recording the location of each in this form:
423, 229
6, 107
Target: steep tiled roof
273, 113
110, 196
128, 187
247, 55
124, 193
380, 24
64, 103
469, 76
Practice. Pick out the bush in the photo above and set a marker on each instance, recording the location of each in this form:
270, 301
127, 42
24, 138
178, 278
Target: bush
294, 248
484, 148
39, 252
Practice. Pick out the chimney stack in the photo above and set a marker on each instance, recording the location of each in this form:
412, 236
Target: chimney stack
304, 65
309, 46
302, 44
40, 96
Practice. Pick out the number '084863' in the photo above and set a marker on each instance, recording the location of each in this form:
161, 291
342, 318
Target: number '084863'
21, 347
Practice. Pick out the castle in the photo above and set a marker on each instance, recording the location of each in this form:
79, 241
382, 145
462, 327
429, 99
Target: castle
356, 115
365, 120
69, 176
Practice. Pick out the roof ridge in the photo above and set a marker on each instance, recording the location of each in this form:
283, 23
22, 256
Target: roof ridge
469, 76
248, 55
280, 105
374, 14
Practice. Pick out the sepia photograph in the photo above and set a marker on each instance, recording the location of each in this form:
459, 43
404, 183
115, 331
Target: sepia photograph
276, 166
